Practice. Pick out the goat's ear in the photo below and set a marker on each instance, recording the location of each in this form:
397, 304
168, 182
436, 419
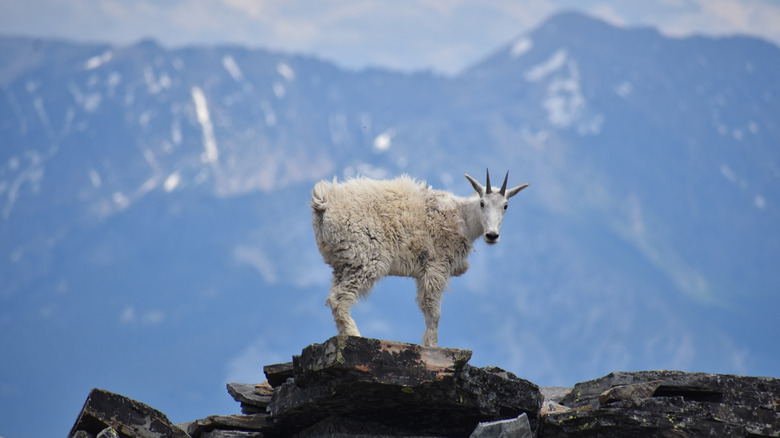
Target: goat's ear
477, 186
514, 190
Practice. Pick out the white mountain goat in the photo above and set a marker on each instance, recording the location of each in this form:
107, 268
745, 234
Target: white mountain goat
368, 229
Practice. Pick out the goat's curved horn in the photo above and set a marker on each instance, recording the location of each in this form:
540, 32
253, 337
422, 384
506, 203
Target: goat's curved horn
502, 192
488, 188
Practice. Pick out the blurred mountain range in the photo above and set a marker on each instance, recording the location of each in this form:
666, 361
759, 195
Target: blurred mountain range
155, 237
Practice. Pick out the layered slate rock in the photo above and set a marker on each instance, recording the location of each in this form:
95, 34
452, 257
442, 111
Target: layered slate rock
278, 373
105, 412
668, 403
224, 426
254, 399
369, 387
255, 422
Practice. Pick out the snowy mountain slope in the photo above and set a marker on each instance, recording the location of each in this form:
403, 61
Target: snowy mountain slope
155, 238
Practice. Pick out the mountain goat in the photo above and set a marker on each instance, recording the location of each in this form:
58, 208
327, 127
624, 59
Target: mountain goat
368, 229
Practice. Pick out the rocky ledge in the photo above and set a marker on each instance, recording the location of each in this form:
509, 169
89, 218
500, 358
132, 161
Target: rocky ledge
361, 387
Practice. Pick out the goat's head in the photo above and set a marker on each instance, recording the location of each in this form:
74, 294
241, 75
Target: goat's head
493, 205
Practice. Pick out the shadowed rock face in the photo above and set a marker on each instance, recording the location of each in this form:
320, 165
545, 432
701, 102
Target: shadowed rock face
352, 386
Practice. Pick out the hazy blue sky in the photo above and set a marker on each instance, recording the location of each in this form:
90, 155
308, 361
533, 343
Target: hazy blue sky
442, 35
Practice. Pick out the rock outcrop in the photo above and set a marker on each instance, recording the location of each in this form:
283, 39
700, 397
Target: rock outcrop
668, 403
366, 385
360, 387
106, 414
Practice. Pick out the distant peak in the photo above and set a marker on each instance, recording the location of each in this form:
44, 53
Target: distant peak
569, 21
148, 43
576, 22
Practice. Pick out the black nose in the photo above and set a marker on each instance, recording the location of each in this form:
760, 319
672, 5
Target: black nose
491, 237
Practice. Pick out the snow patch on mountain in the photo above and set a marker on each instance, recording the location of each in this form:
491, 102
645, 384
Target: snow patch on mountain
554, 63
383, 141
210, 153
565, 102
89, 101
155, 84
286, 71
232, 68
279, 90
172, 182
520, 47
96, 61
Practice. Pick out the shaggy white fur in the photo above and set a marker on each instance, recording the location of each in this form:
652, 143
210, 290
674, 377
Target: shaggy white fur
368, 229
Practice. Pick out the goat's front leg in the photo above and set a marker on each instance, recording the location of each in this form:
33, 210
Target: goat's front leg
430, 288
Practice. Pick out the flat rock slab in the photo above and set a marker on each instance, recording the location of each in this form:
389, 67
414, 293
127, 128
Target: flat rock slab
423, 391
377, 360
130, 418
254, 398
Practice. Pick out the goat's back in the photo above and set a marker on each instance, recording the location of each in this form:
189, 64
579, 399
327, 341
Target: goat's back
358, 193
387, 210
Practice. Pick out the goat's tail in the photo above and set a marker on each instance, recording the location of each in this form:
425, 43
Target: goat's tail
319, 195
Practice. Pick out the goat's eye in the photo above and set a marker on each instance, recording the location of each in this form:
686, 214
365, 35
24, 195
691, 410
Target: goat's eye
482, 204
505, 206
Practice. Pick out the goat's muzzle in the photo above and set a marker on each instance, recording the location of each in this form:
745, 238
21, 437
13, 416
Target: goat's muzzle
491, 238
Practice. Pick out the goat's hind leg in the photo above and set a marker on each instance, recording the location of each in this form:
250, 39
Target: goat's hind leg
347, 287
430, 289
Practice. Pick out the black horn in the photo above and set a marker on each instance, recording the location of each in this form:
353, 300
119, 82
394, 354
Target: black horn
503, 186
488, 188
